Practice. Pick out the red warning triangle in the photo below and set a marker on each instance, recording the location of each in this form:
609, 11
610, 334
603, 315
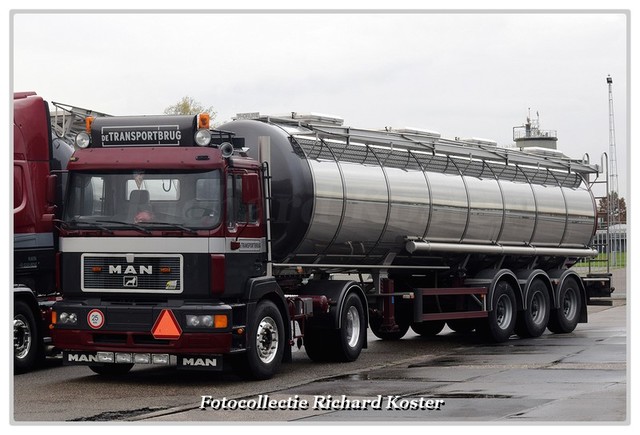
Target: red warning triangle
166, 326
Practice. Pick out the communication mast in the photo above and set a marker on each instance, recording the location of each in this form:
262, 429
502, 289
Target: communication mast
613, 202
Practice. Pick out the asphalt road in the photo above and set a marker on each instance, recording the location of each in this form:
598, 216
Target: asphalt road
580, 377
573, 378
577, 377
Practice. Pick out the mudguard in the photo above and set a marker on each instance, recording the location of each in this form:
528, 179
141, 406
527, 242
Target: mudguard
336, 292
490, 277
526, 277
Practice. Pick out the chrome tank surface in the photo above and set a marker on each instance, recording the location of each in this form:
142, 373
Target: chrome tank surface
340, 196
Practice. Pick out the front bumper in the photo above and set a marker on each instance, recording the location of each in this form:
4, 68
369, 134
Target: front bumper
133, 328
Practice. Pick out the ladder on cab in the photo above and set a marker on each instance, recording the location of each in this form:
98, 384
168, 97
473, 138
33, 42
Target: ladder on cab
67, 120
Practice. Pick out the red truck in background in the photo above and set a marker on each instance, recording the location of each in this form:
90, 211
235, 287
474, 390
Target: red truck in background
38, 154
42, 148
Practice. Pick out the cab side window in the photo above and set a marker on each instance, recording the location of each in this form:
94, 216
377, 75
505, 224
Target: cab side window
237, 211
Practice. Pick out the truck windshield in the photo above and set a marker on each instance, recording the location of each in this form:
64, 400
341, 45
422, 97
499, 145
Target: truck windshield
144, 199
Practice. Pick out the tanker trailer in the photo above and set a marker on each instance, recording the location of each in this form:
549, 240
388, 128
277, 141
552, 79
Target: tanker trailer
435, 230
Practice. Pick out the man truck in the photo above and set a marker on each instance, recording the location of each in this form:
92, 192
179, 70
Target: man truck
206, 248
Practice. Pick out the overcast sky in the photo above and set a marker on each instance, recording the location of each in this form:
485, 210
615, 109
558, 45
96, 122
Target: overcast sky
461, 74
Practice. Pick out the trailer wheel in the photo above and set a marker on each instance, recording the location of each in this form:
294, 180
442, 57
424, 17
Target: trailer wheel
501, 321
353, 331
533, 321
25, 338
267, 347
111, 369
429, 328
565, 318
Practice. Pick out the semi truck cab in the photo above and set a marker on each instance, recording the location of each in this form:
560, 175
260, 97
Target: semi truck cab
163, 248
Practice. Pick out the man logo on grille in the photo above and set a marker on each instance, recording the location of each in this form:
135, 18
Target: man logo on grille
130, 281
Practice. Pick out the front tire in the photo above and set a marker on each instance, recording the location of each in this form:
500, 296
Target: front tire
267, 341
26, 349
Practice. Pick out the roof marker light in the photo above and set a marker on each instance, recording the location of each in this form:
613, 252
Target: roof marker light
87, 123
203, 120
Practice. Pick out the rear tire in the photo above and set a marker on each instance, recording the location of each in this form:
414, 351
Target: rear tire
565, 318
533, 321
353, 330
500, 323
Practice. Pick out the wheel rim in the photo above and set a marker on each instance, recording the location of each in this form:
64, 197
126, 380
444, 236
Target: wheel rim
570, 304
21, 336
353, 326
504, 312
538, 308
267, 340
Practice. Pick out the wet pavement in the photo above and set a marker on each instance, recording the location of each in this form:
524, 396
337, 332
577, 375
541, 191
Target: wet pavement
569, 378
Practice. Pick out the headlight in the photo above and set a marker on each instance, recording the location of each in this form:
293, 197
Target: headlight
83, 140
205, 321
203, 137
67, 318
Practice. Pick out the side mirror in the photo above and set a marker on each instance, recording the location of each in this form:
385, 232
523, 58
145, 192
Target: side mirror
250, 188
52, 181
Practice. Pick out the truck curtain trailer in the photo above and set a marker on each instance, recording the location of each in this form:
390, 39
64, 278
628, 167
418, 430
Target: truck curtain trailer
215, 247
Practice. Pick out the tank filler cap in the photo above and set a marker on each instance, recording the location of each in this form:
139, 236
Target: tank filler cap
416, 132
318, 118
479, 141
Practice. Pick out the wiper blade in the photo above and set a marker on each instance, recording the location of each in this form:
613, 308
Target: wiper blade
172, 225
127, 224
87, 224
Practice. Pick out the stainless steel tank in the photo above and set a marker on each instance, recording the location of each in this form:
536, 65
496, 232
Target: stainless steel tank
358, 194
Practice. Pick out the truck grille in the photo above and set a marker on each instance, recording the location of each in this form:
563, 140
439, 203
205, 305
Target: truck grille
132, 273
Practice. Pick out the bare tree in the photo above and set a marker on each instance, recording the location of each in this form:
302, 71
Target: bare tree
621, 212
189, 106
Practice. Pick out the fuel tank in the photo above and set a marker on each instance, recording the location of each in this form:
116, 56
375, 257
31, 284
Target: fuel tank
359, 195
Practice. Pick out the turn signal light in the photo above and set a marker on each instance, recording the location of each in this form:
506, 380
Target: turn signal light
220, 321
